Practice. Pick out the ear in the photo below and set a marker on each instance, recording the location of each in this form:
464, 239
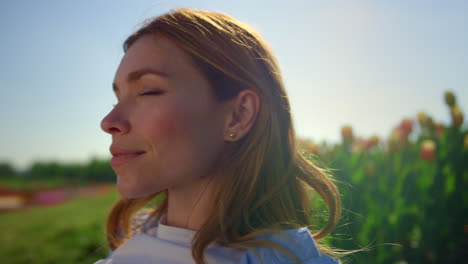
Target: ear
242, 115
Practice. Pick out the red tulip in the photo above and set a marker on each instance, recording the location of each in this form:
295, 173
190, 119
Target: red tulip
428, 150
406, 125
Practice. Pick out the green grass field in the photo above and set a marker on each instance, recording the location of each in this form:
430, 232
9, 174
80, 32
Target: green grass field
72, 232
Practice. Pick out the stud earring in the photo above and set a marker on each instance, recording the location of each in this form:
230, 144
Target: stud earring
232, 135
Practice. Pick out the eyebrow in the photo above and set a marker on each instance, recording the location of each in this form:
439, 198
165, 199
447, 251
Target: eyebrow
136, 75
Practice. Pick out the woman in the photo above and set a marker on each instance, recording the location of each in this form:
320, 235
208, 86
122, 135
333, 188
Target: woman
203, 124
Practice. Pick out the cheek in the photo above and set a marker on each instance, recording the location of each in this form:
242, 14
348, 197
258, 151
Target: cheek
167, 122
184, 133
181, 119
161, 125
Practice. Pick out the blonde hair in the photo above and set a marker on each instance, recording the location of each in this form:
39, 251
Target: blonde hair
265, 166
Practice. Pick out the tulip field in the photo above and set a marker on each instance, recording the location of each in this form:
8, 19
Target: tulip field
404, 197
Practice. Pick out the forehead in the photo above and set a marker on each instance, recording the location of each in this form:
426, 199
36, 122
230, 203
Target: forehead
154, 52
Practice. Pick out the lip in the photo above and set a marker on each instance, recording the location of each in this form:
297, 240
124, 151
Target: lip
121, 155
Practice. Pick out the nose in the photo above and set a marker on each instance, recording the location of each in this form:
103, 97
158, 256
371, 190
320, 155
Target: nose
115, 123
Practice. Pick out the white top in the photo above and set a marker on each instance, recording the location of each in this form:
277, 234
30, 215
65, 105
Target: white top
167, 244
163, 244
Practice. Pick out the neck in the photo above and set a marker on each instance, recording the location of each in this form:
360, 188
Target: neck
189, 205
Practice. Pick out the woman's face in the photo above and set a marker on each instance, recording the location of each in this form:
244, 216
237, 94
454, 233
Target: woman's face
167, 127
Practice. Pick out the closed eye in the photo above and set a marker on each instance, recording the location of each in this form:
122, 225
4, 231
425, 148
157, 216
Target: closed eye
152, 93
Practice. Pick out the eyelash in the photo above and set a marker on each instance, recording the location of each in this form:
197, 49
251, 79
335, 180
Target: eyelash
152, 93
145, 94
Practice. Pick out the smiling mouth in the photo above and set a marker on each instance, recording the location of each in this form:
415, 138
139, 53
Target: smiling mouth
120, 159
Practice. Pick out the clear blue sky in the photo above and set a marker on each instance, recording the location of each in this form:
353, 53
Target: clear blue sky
364, 63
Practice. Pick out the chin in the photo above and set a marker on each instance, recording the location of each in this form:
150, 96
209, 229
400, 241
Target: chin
130, 193
126, 190
133, 192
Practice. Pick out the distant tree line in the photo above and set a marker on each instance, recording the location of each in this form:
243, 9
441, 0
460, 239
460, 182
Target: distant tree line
95, 170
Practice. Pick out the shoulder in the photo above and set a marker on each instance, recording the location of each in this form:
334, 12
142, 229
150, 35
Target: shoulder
299, 242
